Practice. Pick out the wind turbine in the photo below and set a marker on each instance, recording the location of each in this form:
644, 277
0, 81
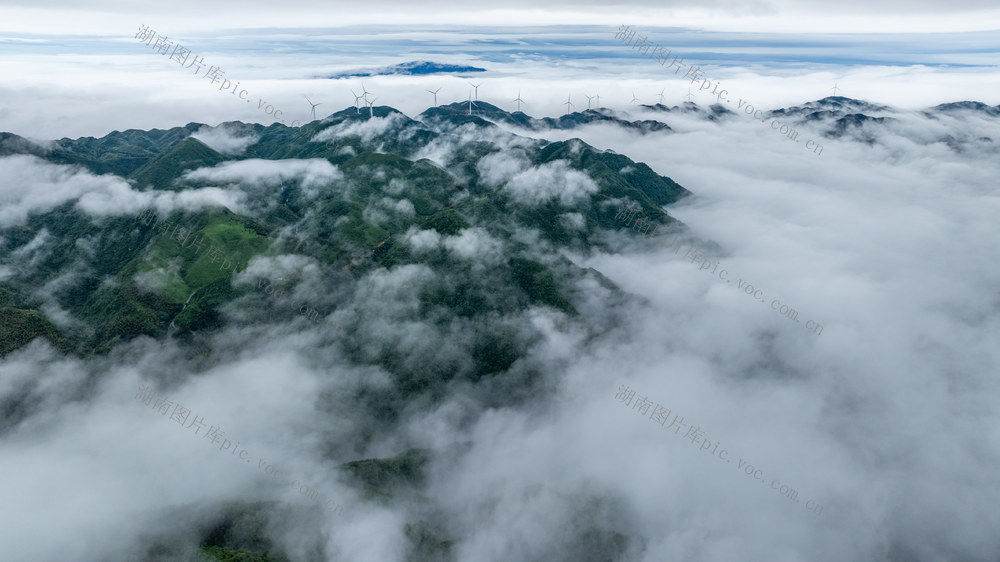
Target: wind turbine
661, 95
357, 106
364, 92
634, 99
371, 114
518, 100
435, 92
567, 103
313, 107
476, 86
834, 88
687, 97
598, 98
588, 100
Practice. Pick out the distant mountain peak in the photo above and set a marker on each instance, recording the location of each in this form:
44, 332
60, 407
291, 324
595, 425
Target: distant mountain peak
968, 106
459, 111
841, 103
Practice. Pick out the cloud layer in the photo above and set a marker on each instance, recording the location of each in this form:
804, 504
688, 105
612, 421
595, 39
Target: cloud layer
33, 185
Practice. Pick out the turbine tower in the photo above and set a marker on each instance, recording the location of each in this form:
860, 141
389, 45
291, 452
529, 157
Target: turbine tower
435, 92
364, 92
567, 103
518, 100
661, 95
588, 100
598, 98
470, 103
835, 88
689, 96
476, 86
313, 107
634, 99
371, 114
357, 98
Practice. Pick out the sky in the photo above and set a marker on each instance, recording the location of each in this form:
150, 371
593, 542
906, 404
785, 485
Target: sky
79, 72
726, 15
887, 418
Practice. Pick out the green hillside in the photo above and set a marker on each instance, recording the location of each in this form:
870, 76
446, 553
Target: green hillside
393, 214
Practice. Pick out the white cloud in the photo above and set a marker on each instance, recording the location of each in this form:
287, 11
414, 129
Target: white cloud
285, 266
421, 240
552, 180
158, 278
476, 244
314, 173
401, 206
32, 185
225, 139
136, 441
367, 129
497, 168
574, 221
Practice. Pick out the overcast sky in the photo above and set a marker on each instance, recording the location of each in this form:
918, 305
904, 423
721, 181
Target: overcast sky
773, 16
